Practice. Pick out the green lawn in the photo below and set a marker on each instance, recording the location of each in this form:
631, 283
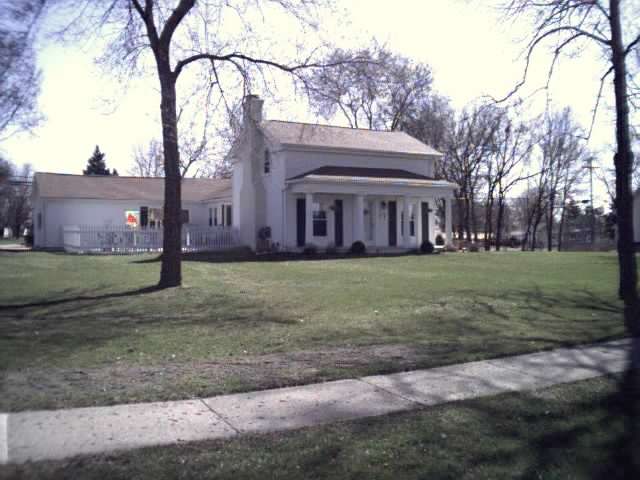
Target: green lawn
82, 330
565, 432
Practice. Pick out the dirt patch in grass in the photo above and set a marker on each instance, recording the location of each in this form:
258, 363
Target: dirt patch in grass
36, 388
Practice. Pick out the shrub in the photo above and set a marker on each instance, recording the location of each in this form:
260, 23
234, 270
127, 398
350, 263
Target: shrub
310, 250
439, 240
264, 233
474, 248
358, 248
427, 247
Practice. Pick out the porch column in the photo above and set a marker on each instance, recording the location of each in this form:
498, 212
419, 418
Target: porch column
431, 217
418, 222
308, 233
375, 211
406, 240
448, 221
358, 219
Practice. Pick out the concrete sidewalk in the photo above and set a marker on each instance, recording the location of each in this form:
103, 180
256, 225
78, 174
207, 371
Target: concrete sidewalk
64, 433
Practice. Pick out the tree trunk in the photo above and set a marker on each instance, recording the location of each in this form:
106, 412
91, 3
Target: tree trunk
623, 161
534, 234
552, 201
488, 222
460, 218
499, 221
467, 217
171, 271
525, 237
472, 212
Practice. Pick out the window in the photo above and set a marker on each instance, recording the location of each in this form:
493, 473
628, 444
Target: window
215, 216
155, 217
210, 216
144, 216
39, 220
184, 216
267, 161
319, 221
412, 225
228, 207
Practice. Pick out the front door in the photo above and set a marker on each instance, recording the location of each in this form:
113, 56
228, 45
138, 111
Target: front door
301, 211
393, 228
425, 221
338, 224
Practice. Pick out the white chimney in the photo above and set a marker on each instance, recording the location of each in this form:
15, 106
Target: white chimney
253, 108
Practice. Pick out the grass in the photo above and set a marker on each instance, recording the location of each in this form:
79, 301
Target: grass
85, 330
572, 431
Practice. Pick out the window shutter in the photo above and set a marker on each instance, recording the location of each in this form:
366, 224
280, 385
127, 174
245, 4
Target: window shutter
144, 216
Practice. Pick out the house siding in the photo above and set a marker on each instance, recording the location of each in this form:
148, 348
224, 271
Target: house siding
57, 213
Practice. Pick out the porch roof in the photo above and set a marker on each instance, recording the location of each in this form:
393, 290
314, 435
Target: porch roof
368, 176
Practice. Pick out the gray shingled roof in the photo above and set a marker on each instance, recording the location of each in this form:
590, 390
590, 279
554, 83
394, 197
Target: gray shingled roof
57, 185
319, 136
364, 172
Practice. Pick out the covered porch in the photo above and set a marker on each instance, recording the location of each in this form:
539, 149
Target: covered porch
387, 210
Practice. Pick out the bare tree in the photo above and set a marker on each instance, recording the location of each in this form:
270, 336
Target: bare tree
19, 76
505, 169
470, 142
182, 37
571, 177
430, 120
536, 207
15, 196
148, 161
611, 27
563, 152
377, 92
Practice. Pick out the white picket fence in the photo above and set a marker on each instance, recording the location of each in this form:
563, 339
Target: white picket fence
121, 239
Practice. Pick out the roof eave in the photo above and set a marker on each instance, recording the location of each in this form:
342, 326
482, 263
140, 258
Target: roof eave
316, 179
358, 151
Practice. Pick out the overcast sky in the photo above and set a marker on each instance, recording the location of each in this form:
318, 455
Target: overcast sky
471, 51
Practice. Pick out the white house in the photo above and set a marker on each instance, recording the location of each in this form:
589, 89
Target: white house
331, 186
294, 184
61, 200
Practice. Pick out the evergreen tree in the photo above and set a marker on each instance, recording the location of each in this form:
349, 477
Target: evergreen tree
96, 164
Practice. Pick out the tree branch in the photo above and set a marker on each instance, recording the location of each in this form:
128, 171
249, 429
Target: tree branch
631, 45
174, 20
539, 39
